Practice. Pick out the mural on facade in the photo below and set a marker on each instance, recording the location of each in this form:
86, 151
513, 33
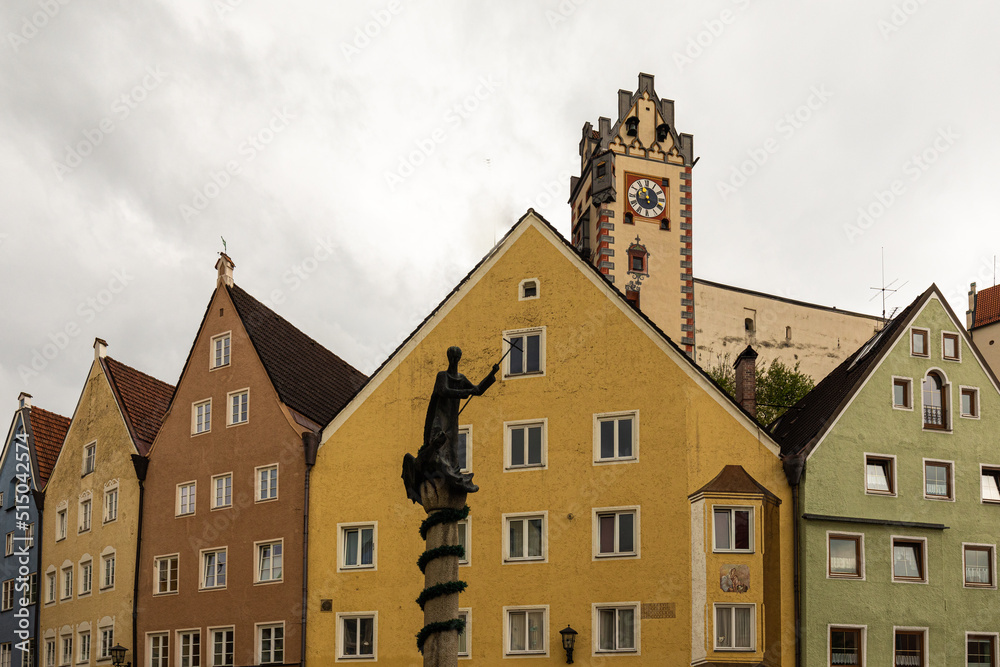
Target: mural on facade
734, 578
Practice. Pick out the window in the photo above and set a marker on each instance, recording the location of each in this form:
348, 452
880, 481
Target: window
239, 404
733, 528
617, 532
465, 615
845, 646
990, 484
616, 628
846, 556
525, 352
189, 647
970, 402
734, 627
185, 498
934, 402
111, 505
938, 480
528, 289
629, 219
50, 653
222, 486
950, 349
463, 541
7, 599
201, 417
880, 475
107, 641
909, 648
526, 631
67, 590
165, 574
9, 544
89, 458
5, 654
29, 536
84, 647
638, 263
358, 633
61, 524
85, 515
222, 647
908, 560
981, 650
220, 350
902, 393
525, 444
50, 587
978, 565
465, 448
749, 327
33, 588
86, 577
357, 546
159, 650
108, 571
213, 568
267, 482
271, 643
67, 650
616, 437
918, 342
269, 561
524, 537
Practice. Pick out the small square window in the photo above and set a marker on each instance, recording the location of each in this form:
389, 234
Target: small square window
239, 407
269, 560
909, 648
981, 650
201, 417
358, 546
464, 535
464, 643
528, 289
880, 475
89, 458
846, 646
616, 628
902, 393
908, 560
616, 533
220, 350
638, 263
222, 491
733, 529
846, 557
978, 565
524, 352
990, 484
465, 448
527, 631
970, 402
213, 570
735, 627
938, 480
267, 482
165, 573
358, 635
525, 445
524, 538
950, 349
271, 644
185, 498
918, 343
616, 437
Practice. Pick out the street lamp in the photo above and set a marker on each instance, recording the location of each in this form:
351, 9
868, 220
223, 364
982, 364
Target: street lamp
568, 639
118, 656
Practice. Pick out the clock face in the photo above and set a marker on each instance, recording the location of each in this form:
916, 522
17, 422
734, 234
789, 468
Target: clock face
646, 197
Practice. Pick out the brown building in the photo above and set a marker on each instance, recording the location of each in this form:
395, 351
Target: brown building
223, 544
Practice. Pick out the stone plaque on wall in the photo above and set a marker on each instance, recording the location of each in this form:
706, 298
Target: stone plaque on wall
658, 610
734, 578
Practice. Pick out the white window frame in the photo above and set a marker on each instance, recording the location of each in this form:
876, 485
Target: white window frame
951, 479
467, 431
211, 644
467, 522
258, 547
467, 653
864, 475
341, 617
51, 652
927, 643
62, 524
863, 643
892, 398
505, 556
595, 625
507, 450
166, 558
520, 289
9, 544
51, 585
85, 515
923, 556
608, 416
194, 416
215, 491
164, 643
259, 642
732, 528
258, 497
89, 456
193, 483
976, 407
968, 634
993, 566
211, 351
110, 492
983, 469
229, 407
947, 391
109, 555
927, 343
596, 532
753, 626
958, 346
86, 582
504, 347
66, 656
82, 643
104, 646
64, 585
507, 611
862, 576
179, 644
203, 574
342, 565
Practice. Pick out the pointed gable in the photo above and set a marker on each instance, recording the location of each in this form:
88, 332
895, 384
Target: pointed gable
49, 432
734, 479
142, 398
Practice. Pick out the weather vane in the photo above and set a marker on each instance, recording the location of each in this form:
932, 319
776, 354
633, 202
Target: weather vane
223, 246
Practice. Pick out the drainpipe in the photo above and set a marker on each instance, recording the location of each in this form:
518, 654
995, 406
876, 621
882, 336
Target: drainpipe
794, 466
141, 464
310, 441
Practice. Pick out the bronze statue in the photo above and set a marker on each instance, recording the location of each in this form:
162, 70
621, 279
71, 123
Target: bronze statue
438, 457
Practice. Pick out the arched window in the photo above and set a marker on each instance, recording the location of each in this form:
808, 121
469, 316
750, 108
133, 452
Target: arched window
934, 402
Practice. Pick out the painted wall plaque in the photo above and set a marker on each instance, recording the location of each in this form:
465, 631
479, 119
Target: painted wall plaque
734, 578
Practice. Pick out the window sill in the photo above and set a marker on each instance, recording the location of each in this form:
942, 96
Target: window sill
522, 561
908, 581
238, 424
982, 587
166, 593
733, 551
940, 499
884, 494
615, 556
222, 507
220, 366
904, 408
205, 589
200, 433
356, 568
271, 500
604, 462
534, 466
513, 376
269, 582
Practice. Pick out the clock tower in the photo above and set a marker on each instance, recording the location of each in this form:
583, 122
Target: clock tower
631, 208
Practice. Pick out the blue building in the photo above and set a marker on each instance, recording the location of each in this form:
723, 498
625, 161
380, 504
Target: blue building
29, 452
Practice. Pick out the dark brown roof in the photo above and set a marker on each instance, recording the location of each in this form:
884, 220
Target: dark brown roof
987, 310
143, 400
734, 479
49, 431
308, 377
796, 428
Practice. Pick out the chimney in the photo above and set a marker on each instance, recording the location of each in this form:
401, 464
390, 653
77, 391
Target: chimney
100, 348
970, 314
225, 268
24, 400
746, 380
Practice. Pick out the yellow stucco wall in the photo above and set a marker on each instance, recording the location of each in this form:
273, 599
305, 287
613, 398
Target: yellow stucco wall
97, 418
597, 360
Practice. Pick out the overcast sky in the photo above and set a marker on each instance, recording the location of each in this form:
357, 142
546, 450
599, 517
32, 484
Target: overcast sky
359, 158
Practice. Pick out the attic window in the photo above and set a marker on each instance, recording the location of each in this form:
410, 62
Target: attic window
528, 289
602, 168
748, 325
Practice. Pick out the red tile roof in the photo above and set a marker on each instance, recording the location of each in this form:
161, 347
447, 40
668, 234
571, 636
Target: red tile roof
987, 306
143, 399
49, 431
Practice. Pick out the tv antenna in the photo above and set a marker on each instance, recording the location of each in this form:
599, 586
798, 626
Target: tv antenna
887, 290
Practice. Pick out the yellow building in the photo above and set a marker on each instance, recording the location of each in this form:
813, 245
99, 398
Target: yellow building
621, 492
91, 518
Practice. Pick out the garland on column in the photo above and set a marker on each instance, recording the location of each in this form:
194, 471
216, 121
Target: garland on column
441, 516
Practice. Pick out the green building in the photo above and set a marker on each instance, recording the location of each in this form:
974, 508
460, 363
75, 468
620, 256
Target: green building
896, 468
